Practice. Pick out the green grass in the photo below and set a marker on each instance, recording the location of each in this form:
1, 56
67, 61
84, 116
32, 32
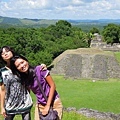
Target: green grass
103, 96
74, 116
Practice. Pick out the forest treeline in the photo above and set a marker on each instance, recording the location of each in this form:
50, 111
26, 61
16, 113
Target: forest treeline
42, 45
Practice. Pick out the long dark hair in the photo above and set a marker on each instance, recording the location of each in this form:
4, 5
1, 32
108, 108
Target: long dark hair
7, 48
26, 78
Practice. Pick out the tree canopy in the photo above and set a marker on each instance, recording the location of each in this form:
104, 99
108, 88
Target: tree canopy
111, 33
42, 45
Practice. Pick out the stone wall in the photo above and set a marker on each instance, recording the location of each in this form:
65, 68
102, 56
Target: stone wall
90, 113
97, 42
87, 63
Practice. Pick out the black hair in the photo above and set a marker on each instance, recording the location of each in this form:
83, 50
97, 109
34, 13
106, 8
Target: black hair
25, 77
7, 48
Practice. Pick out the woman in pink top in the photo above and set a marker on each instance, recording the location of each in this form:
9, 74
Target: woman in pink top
21, 67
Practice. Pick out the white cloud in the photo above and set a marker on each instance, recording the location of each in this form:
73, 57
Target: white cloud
61, 9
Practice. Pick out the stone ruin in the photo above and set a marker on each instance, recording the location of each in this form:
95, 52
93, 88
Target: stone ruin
90, 113
88, 63
97, 42
96, 62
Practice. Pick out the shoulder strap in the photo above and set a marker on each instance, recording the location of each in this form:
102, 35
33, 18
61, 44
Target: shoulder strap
40, 86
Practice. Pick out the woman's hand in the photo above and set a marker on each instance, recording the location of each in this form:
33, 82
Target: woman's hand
44, 67
3, 112
46, 110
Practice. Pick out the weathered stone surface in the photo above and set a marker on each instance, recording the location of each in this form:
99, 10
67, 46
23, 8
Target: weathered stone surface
100, 67
87, 63
90, 113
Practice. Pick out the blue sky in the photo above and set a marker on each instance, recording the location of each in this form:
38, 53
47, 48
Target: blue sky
61, 9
